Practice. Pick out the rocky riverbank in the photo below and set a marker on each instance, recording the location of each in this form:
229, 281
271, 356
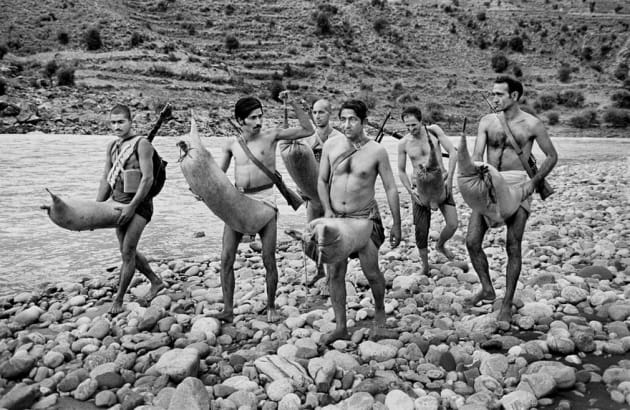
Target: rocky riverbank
60, 349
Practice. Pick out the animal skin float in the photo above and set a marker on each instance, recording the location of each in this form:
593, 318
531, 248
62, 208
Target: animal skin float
82, 215
485, 190
430, 179
208, 181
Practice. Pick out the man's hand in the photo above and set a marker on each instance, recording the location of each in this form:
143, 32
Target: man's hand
528, 189
448, 187
329, 214
126, 214
415, 197
394, 236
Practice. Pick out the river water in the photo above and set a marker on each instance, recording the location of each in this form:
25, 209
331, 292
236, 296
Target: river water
33, 250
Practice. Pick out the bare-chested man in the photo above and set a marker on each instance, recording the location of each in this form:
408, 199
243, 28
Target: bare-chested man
321, 111
254, 182
526, 129
415, 145
129, 154
346, 187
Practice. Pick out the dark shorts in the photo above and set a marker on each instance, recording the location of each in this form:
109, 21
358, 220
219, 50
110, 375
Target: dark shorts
422, 221
145, 209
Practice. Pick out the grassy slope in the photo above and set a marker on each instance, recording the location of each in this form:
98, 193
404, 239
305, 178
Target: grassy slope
427, 52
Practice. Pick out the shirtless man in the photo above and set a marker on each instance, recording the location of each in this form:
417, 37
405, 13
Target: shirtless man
346, 189
416, 145
526, 128
321, 111
252, 181
138, 207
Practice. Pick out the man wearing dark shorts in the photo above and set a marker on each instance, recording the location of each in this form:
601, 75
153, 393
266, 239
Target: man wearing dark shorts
127, 178
417, 146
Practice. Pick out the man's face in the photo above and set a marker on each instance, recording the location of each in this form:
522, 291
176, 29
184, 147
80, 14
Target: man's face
253, 122
412, 124
501, 98
120, 125
321, 114
350, 123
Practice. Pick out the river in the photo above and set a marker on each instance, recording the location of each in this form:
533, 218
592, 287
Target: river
33, 250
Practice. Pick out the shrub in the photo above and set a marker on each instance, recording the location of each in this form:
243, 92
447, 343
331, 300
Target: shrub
65, 76
499, 63
63, 37
275, 87
136, 39
162, 6
229, 10
571, 98
433, 112
621, 72
621, 99
616, 117
3, 50
516, 70
516, 44
190, 28
93, 38
586, 53
481, 16
50, 68
322, 23
287, 71
584, 119
3, 86
564, 73
545, 101
553, 118
380, 25
231, 43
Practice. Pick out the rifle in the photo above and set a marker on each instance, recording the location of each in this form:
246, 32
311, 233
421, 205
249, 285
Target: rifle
166, 113
529, 164
394, 134
291, 197
380, 134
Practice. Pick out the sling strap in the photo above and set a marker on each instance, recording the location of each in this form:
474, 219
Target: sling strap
118, 164
344, 155
292, 198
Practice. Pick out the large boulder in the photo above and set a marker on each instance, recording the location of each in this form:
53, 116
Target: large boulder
179, 364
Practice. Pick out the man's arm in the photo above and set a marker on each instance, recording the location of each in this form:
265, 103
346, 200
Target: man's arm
547, 147
304, 130
391, 191
226, 158
323, 190
104, 190
145, 158
402, 170
452, 155
480, 142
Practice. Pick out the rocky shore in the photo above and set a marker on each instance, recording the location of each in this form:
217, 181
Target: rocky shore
569, 335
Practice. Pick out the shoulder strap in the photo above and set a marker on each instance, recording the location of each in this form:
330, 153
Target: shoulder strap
344, 155
444, 154
260, 165
517, 148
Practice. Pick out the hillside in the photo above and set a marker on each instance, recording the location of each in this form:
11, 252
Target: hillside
437, 54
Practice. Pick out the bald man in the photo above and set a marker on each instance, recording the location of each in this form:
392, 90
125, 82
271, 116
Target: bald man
321, 110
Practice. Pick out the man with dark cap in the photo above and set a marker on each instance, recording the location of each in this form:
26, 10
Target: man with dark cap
252, 181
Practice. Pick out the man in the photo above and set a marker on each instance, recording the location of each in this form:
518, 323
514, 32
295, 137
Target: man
252, 181
127, 156
416, 145
346, 186
491, 136
321, 110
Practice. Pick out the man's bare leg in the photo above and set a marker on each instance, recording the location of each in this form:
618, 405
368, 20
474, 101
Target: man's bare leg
128, 237
477, 228
514, 236
156, 283
314, 211
368, 257
231, 240
424, 257
421, 221
268, 238
450, 226
337, 273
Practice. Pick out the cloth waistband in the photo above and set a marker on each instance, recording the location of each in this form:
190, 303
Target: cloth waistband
255, 189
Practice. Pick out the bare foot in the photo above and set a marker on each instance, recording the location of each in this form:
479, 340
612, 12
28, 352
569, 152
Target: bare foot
425, 270
487, 296
225, 316
379, 318
117, 307
379, 333
273, 315
337, 334
442, 249
295, 234
155, 289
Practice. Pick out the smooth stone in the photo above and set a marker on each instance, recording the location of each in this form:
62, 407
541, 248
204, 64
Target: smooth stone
565, 376
519, 400
85, 389
399, 400
28, 316
99, 329
178, 364
540, 384
105, 398
289, 402
369, 350
21, 396
191, 394
277, 389
209, 326
17, 366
